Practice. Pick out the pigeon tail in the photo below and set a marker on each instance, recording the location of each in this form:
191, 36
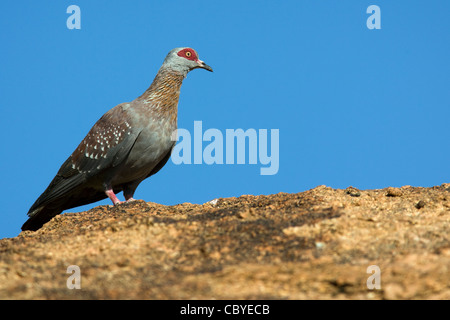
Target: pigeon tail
39, 217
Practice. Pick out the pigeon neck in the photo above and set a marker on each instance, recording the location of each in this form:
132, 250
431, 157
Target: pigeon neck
164, 91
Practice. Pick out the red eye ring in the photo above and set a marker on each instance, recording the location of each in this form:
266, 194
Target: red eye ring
188, 53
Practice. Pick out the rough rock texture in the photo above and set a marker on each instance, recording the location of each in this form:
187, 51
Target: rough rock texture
315, 244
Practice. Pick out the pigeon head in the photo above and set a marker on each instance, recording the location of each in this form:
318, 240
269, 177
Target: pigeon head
184, 60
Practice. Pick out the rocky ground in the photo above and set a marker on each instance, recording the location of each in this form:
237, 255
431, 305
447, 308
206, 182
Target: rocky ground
316, 244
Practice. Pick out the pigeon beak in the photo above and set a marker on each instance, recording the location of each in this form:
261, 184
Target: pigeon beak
203, 65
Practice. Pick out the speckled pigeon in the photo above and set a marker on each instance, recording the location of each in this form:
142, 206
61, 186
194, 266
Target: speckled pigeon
129, 143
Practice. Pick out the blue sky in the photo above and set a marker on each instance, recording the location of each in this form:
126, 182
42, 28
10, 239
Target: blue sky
354, 107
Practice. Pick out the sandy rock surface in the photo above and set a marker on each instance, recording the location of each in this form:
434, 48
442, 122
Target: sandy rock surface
316, 244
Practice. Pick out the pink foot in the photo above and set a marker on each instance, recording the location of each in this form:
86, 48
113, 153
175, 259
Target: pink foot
113, 197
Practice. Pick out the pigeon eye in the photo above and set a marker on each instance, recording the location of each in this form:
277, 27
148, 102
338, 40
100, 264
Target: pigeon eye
188, 54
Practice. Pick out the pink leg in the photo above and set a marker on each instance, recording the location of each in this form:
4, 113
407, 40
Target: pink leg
112, 196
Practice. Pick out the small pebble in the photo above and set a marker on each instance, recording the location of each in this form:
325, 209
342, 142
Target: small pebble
420, 204
353, 192
393, 192
320, 245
